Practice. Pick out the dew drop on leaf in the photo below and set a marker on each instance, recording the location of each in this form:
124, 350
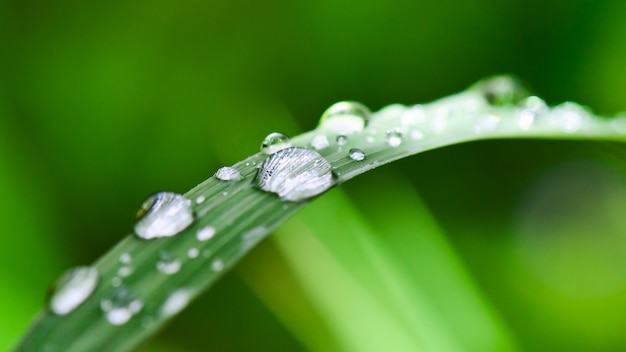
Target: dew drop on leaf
228, 173
164, 214
168, 264
394, 138
295, 174
342, 140
120, 306
274, 142
205, 233
346, 117
319, 142
356, 154
72, 289
176, 302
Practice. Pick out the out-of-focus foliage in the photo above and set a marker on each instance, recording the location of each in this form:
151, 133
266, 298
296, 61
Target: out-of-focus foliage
102, 104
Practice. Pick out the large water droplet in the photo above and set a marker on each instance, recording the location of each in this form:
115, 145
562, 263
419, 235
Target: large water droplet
275, 142
394, 138
72, 289
120, 306
319, 142
163, 215
357, 154
295, 174
502, 90
176, 302
168, 264
346, 117
228, 173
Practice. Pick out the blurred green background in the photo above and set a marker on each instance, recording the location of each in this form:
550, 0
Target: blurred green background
102, 104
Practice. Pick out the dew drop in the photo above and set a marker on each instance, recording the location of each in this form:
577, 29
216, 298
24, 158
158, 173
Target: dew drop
274, 142
487, 123
342, 140
357, 154
168, 264
319, 142
413, 116
502, 90
295, 174
176, 302
370, 139
125, 258
228, 173
164, 214
217, 265
570, 116
346, 117
416, 135
72, 289
394, 138
205, 233
120, 306
124, 271
200, 199
116, 281
526, 119
193, 253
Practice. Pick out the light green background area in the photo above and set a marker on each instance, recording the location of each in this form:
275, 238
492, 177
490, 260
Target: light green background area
501, 244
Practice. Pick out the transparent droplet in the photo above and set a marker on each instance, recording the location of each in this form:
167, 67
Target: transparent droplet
193, 253
487, 123
357, 154
200, 199
346, 117
570, 116
176, 302
168, 264
502, 90
416, 135
526, 118
116, 281
370, 139
72, 289
124, 271
164, 214
319, 142
413, 116
275, 142
125, 258
228, 173
536, 105
217, 265
342, 140
295, 174
394, 138
121, 305
205, 233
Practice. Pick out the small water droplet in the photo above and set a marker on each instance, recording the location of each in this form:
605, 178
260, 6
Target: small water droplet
413, 116
346, 117
487, 123
163, 215
217, 265
72, 289
200, 199
295, 174
536, 105
205, 233
168, 264
125, 258
417, 135
120, 306
275, 142
224, 193
370, 139
357, 154
502, 90
124, 271
176, 302
116, 281
319, 142
193, 253
394, 138
526, 118
228, 173
570, 116
342, 140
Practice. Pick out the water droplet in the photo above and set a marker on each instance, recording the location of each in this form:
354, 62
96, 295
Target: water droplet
345, 117
168, 264
526, 118
224, 193
217, 265
570, 116
370, 139
116, 281
72, 289
176, 302
416, 135
394, 138
163, 215
200, 199
295, 174
124, 271
536, 105
205, 233
342, 140
120, 306
357, 154
193, 253
413, 116
125, 258
228, 173
319, 142
502, 90
487, 123
275, 142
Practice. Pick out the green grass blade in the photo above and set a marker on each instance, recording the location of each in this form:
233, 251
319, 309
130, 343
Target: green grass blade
243, 215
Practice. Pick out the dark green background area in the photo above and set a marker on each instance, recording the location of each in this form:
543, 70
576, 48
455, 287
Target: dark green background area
104, 104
